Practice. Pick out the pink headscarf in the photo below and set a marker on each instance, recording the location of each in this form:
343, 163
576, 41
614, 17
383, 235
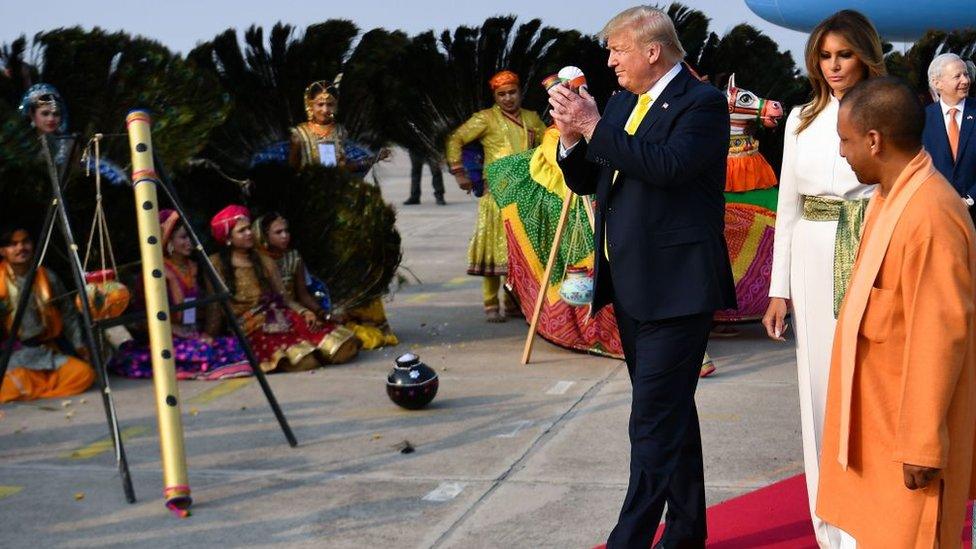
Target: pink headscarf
224, 221
168, 220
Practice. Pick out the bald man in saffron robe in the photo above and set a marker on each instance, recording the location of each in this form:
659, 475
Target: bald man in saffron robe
897, 465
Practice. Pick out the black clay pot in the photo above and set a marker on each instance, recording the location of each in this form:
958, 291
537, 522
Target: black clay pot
412, 384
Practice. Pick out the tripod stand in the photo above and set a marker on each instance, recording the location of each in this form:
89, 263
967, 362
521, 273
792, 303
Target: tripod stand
57, 214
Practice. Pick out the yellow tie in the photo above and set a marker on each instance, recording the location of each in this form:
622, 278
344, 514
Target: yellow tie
640, 110
644, 101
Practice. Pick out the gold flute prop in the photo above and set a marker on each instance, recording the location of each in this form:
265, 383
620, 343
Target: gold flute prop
176, 488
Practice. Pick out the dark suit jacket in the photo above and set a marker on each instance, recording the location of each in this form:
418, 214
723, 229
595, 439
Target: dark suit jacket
962, 172
665, 214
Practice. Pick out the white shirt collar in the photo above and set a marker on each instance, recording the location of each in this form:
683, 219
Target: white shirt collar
945, 108
658, 88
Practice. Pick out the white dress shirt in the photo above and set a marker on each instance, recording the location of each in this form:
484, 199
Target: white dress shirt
961, 106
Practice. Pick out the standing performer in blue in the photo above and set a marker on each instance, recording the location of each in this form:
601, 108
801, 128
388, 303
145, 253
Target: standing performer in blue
656, 162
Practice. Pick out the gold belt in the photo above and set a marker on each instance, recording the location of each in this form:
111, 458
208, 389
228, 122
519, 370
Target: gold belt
849, 215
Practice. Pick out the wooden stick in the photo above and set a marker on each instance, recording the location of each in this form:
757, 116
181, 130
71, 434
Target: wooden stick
544, 283
588, 206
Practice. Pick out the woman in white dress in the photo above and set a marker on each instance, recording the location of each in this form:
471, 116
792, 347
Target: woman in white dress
821, 206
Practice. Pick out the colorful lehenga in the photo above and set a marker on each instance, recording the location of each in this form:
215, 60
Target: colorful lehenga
368, 322
197, 355
278, 334
529, 189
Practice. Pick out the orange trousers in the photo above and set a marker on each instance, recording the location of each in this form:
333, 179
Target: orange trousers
72, 378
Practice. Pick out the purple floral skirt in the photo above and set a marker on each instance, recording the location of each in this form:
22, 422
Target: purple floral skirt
196, 358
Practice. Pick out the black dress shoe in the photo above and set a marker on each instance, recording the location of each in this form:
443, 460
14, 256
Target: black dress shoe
411, 202
440, 201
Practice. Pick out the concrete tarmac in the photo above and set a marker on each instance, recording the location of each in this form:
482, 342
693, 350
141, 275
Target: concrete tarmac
506, 456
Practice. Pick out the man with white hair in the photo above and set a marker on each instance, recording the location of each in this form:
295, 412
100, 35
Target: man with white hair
656, 161
949, 123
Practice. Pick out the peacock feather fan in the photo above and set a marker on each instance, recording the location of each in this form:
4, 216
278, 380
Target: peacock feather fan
101, 76
456, 68
347, 233
344, 230
265, 83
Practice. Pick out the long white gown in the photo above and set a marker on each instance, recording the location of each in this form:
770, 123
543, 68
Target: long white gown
803, 258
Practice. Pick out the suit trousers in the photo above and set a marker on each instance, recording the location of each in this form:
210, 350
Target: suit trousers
417, 162
663, 359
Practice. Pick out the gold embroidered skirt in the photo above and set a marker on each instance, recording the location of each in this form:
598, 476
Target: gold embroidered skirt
488, 251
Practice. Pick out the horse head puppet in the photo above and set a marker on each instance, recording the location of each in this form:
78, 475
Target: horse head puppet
747, 170
746, 108
750, 203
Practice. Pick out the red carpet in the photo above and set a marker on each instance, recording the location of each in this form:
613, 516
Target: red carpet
774, 517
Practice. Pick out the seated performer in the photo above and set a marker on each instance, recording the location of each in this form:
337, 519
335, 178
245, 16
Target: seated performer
198, 355
285, 335
504, 129
274, 240
45, 361
898, 450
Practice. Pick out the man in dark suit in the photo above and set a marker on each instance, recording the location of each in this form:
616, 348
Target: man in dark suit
949, 125
656, 162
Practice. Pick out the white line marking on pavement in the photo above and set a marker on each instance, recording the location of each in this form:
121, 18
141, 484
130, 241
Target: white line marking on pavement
445, 492
560, 388
518, 427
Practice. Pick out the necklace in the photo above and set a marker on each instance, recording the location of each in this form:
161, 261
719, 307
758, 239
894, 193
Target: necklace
321, 130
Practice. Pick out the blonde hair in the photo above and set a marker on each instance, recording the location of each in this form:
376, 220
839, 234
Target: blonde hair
650, 25
857, 31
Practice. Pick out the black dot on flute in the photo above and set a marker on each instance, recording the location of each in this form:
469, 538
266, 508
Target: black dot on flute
147, 205
166, 354
157, 273
152, 240
141, 147
171, 400
161, 315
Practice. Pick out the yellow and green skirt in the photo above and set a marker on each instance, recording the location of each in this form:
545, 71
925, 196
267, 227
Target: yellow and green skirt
488, 251
529, 189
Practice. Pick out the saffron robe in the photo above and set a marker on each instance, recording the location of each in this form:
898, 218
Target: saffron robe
902, 385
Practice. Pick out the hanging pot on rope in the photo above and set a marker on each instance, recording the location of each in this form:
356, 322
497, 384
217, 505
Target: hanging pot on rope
107, 298
577, 287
